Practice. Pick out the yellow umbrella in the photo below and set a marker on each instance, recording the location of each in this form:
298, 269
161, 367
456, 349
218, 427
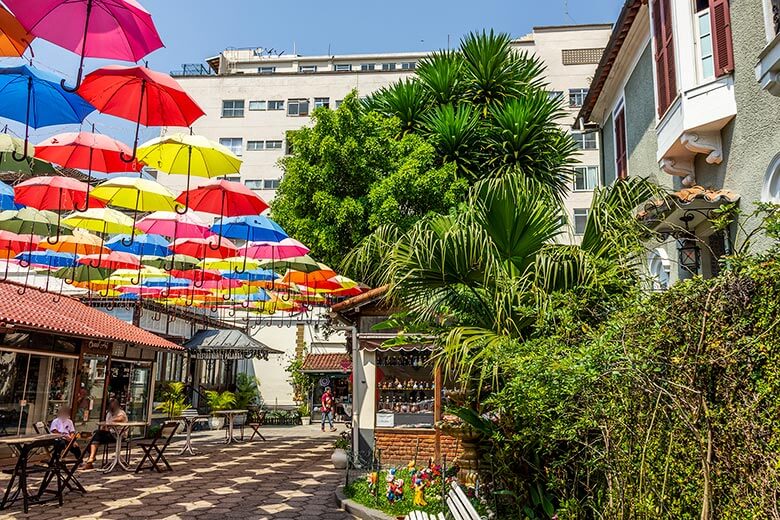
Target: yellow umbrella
80, 242
147, 273
100, 220
136, 194
184, 154
230, 264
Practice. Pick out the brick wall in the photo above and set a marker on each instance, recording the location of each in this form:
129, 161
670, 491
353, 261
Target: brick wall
399, 446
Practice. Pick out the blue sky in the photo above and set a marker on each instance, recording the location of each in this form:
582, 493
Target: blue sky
195, 29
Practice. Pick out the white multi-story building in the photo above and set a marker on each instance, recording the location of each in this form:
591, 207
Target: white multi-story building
570, 54
252, 98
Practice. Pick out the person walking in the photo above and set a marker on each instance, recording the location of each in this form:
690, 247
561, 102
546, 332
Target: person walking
327, 409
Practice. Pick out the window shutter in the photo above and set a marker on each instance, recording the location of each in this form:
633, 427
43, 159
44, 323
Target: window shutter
621, 159
722, 46
666, 74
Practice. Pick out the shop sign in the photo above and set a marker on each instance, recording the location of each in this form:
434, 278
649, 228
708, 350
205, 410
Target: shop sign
99, 346
385, 420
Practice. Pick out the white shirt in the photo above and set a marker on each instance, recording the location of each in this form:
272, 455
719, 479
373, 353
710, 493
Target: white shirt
62, 425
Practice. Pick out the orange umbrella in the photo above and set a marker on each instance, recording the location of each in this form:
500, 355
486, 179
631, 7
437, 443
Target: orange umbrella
14, 39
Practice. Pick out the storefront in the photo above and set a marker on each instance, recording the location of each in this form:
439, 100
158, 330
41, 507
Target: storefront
332, 371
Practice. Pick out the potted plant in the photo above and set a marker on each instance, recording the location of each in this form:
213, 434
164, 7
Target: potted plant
305, 414
246, 395
174, 402
219, 401
340, 457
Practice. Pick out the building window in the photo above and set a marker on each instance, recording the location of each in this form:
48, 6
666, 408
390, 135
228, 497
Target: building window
271, 184
621, 151
254, 184
273, 145
586, 178
255, 146
388, 66
321, 102
337, 103
704, 39
343, 67
274, 104
307, 69
233, 108
580, 220
266, 70
297, 107
366, 67
408, 65
232, 178
585, 140
234, 144
555, 95
258, 105
577, 96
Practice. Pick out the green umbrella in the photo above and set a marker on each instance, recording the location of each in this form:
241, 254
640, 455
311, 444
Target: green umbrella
30, 165
179, 262
304, 264
81, 273
32, 221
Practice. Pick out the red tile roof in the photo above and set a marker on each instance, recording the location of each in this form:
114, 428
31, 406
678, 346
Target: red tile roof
36, 310
327, 362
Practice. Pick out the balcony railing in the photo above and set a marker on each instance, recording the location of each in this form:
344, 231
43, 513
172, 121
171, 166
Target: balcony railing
193, 69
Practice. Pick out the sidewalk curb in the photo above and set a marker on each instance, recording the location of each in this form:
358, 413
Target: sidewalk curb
359, 510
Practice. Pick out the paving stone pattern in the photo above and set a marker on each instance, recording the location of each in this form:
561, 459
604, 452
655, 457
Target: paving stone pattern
288, 476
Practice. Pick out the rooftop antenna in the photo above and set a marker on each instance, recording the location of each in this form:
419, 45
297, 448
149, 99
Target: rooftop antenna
566, 11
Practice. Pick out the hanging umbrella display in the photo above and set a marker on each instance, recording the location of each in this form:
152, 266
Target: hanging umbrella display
7, 198
12, 244
136, 194
300, 263
197, 275
287, 248
14, 38
81, 273
250, 228
143, 245
99, 220
173, 225
35, 98
87, 151
113, 260
47, 259
211, 247
140, 95
11, 146
80, 242
170, 262
33, 221
111, 29
230, 264
190, 155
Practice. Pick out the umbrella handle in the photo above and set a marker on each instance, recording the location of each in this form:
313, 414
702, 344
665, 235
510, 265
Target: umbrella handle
7, 264
24, 156
179, 209
129, 243
23, 289
89, 183
195, 282
232, 312
83, 52
132, 157
59, 217
221, 217
58, 296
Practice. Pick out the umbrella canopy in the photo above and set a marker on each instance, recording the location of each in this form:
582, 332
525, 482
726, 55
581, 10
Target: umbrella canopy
173, 225
47, 259
100, 220
54, 193
81, 273
238, 263
211, 247
224, 198
135, 193
198, 275
254, 275
300, 263
35, 98
14, 38
11, 147
287, 248
252, 228
140, 95
7, 197
31, 220
87, 151
182, 262
143, 245
114, 260
80, 242
11, 244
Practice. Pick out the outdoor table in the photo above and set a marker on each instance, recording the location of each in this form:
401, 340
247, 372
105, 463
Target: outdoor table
119, 429
189, 423
24, 445
231, 414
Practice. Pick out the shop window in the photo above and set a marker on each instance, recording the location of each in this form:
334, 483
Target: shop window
405, 390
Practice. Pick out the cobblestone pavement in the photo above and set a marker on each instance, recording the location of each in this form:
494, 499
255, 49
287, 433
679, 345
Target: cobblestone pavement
288, 476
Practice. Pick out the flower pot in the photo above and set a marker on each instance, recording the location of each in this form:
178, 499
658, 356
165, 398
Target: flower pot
339, 458
216, 422
306, 420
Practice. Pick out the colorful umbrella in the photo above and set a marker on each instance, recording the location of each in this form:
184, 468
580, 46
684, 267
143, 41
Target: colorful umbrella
7, 197
255, 275
100, 220
14, 38
31, 220
80, 242
81, 273
254, 228
87, 151
197, 275
287, 248
230, 264
111, 29
113, 260
47, 259
12, 244
172, 225
211, 247
299, 263
53, 193
140, 95
182, 154
183, 262
11, 146
143, 245
35, 98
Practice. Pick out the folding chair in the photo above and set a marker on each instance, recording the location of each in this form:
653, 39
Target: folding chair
257, 423
67, 467
152, 448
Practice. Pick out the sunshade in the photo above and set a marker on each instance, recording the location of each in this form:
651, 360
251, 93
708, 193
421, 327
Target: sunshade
81, 273
111, 29
10, 147
46, 259
140, 95
211, 247
254, 228
80, 242
100, 220
7, 197
114, 260
14, 38
35, 98
31, 220
173, 225
54, 193
135, 193
287, 248
170, 262
300, 263
190, 155
224, 198
142, 245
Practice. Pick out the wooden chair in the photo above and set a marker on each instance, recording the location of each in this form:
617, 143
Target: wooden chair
154, 452
458, 505
68, 465
256, 423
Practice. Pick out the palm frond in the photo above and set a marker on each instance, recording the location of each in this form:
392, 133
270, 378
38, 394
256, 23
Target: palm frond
407, 100
455, 132
442, 74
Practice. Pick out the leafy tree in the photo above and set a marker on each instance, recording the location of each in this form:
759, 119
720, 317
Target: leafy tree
349, 172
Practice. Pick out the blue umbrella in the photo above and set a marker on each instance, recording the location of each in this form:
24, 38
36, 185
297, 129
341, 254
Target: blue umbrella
7, 198
141, 245
259, 296
46, 259
254, 275
254, 228
37, 99
165, 282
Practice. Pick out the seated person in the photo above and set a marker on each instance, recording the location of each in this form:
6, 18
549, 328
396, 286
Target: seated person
63, 425
115, 414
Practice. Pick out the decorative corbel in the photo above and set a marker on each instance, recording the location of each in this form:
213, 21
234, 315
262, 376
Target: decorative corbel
680, 167
704, 142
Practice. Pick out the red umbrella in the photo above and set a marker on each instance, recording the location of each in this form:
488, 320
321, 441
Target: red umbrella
114, 260
210, 247
12, 244
138, 94
55, 194
87, 151
197, 275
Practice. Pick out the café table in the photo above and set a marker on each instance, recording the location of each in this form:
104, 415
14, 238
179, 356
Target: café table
24, 445
230, 415
119, 429
189, 423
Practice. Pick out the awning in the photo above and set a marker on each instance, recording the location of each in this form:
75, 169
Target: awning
684, 210
327, 363
227, 344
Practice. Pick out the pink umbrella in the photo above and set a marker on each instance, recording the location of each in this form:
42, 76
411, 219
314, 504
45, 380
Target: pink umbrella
286, 248
172, 225
111, 29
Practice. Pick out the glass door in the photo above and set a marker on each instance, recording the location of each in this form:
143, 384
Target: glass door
91, 391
